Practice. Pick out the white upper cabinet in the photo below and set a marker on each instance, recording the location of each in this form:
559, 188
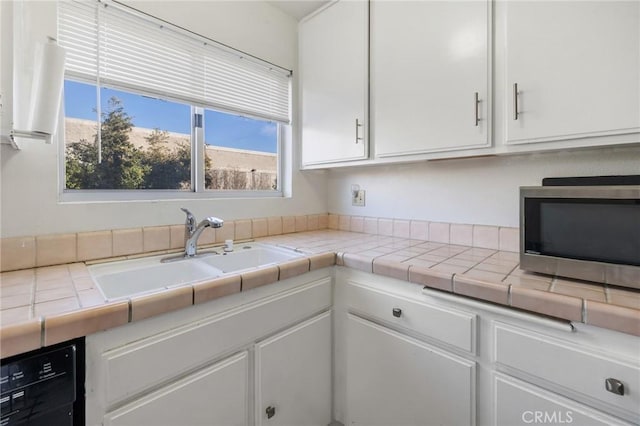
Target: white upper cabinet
430, 76
334, 69
576, 65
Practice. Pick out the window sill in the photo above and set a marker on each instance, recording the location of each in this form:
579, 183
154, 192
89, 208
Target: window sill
105, 196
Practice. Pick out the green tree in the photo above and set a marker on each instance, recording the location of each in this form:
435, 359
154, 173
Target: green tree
80, 161
122, 166
160, 165
167, 168
122, 163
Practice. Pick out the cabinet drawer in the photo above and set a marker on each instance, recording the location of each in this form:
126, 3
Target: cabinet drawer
519, 403
135, 367
427, 320
574, 368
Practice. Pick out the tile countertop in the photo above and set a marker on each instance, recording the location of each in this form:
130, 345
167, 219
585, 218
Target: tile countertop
43, 306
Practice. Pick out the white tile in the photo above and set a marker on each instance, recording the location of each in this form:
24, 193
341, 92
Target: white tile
357, 224
510, 239
439, 232
385, 227
344, 223
419, 230
401, 228
486, 236
461, 234
371, 225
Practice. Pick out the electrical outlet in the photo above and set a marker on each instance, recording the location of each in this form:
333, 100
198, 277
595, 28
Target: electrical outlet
358, 198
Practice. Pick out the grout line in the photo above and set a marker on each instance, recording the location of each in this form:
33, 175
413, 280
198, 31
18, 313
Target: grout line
511, 271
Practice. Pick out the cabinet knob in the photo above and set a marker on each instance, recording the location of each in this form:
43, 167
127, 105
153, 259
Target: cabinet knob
397, 312
614, 386
271, 411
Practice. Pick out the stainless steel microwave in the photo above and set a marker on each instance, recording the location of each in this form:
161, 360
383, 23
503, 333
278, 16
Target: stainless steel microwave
588, 232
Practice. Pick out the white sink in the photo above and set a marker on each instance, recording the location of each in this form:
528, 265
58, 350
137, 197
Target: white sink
247, 256
130, 277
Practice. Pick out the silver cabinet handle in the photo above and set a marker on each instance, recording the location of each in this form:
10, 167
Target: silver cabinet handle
477, 104
397, 312
515, 101
358, 125
614, 386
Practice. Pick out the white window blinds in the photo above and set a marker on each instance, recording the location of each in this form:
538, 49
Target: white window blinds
118, 47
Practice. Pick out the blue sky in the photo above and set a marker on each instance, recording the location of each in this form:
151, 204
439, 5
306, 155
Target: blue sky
220, 129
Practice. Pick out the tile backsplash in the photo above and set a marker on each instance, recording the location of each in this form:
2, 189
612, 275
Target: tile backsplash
36, 251
484, 236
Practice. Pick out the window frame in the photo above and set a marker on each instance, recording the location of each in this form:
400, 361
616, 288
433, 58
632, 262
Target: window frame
197, 191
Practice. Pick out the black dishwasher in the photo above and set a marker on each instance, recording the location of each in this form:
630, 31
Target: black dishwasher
44, 387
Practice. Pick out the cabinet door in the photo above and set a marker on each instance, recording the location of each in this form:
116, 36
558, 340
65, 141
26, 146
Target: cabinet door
216, 395
395, 380
334, 71
576, 65
293, 375
429, 60
518, 403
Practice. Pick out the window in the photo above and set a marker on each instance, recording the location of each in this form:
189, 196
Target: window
144, 143
240, 153
148, 107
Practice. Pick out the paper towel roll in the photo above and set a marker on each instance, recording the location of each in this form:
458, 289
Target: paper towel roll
46, 91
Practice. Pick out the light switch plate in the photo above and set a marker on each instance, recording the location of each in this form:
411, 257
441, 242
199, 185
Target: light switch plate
358, 198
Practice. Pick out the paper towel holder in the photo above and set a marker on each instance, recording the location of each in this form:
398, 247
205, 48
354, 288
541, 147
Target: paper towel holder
41, 89
27, 134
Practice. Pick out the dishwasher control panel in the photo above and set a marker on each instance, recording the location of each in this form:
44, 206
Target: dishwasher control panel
39, 389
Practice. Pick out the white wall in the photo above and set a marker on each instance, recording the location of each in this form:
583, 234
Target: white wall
475, 191
29, 188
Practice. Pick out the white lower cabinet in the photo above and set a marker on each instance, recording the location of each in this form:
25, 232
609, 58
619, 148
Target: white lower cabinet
585, 374
408, 356
397, 380
215, 395
293, 375
221, 363
519, 403
376, 352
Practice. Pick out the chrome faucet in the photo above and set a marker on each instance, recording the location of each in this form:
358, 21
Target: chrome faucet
192, 232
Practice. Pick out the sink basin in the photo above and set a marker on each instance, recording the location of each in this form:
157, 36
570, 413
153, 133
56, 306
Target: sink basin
247, 256
129, 277
132, 277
